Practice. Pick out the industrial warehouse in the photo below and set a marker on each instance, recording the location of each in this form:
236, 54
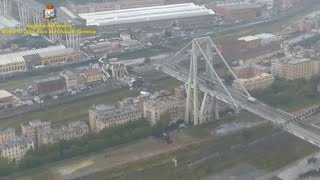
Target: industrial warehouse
20, 61
184, 15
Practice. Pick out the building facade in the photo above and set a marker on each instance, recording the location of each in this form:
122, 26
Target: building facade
49, 85
7, 134
105, 47
277, 68
186, 15
16, 150
300, 68
6, 99
250, 41
60, 56
71, 78
74, 130
31, 129
155, 107
103, 116
293, 68
259, 82
91, 75
249, 70
21, 61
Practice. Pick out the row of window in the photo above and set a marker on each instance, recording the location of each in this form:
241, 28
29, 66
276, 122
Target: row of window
14, 68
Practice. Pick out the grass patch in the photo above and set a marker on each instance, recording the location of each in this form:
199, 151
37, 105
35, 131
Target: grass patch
168, 83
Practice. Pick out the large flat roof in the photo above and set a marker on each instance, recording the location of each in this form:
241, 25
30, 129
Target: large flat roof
248, 38
4, 94
265, 35
17, 57
145, 14
53, 78
57, 52
298, 61
238, 5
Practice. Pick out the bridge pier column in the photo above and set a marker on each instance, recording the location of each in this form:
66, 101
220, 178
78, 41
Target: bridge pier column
187, 112
195, 84
209, 72
216, 108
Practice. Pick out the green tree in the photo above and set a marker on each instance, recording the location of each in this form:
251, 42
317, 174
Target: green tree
158, 129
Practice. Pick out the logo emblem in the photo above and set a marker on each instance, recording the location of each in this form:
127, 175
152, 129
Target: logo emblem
50, 14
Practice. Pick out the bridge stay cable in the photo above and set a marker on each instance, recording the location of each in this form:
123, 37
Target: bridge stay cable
229, 68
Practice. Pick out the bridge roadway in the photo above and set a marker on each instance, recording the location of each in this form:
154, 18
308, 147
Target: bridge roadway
280, 118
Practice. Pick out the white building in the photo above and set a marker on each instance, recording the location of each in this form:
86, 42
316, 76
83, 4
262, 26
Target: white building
71, 78
125, 36
146, 14
267, 38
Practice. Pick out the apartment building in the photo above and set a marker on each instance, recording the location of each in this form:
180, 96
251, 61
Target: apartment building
294, 68
31, 129
299, 68
104, 116
91, 75
250, 41
155, 107
16, 150
6, 99
70, 77
7, 134
249, 70
74, 130
277, 68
